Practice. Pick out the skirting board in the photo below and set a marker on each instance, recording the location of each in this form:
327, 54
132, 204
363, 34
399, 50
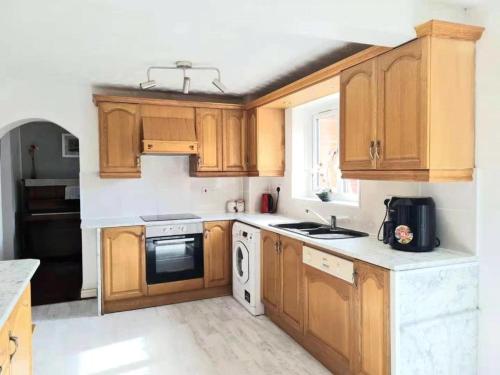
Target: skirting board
88, 293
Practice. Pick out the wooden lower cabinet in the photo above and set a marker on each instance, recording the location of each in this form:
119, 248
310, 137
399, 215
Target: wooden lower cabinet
291, 282
124, 285
328, 319
16, 339
282, 280
372, 320
217, 254
345, 326
123, 263
271, 281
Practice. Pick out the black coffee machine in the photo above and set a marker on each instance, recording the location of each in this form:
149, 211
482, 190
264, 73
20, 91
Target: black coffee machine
410, 224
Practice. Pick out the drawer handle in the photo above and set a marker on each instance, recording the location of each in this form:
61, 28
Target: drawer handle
15, 340
326, 265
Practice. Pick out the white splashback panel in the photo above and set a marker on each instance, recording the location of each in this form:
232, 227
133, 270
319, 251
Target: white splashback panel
165, 187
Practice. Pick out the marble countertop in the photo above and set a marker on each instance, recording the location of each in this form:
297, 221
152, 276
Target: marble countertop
367, 249
15, 276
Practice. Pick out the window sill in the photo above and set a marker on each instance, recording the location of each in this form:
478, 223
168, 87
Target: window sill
333, 202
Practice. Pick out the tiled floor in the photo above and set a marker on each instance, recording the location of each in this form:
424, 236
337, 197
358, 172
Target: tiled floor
215, 336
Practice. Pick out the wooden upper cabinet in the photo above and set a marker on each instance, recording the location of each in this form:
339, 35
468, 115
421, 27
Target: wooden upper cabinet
402, 107
291, 282
217, 253
358, 116
372, 320
119, 140
123, 263
271, 272
234, 140
209, 134
251, 149
424, 124
266, 142
329, 319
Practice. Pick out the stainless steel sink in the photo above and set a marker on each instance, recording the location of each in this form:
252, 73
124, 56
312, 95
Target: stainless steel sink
305, 225
320, 231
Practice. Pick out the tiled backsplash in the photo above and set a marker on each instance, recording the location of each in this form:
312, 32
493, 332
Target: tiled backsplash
165, 186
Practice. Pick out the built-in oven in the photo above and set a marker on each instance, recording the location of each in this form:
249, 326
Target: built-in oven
174, 252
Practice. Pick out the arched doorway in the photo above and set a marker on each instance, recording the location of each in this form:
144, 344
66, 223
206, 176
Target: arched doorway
39, 186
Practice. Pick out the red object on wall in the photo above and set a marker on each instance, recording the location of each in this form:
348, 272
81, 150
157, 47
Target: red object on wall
266, 204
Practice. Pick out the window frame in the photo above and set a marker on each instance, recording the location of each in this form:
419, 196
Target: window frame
340, 195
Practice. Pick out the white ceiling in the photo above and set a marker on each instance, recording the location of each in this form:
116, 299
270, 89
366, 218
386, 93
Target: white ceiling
112, 42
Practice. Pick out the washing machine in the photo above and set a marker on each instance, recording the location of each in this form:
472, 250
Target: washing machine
246, 267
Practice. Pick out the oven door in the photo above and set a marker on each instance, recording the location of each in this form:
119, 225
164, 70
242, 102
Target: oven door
174, 258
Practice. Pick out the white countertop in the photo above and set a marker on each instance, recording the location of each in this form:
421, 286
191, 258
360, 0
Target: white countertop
367, 249
15, 276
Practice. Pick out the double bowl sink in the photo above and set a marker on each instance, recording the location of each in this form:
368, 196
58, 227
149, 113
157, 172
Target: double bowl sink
319, 231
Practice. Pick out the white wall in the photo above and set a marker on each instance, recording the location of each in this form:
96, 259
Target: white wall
10, 167
488, 182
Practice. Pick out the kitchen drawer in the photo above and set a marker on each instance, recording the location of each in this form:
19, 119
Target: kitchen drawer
331, 264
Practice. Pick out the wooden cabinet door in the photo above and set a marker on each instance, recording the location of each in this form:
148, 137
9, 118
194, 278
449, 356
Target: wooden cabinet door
328, 319
5, 367
209, 135
123, 263
217, 253
358, 106
119, 140
291, 307
234, 140
20, 331
271, 278
402, 107
270, 141
372, 317
251, 149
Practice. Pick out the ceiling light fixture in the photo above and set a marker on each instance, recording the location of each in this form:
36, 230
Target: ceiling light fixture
186, 83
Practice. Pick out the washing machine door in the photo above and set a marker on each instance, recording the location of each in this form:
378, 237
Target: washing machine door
240, 262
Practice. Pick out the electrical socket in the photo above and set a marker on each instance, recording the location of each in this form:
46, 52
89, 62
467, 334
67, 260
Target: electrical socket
204, 190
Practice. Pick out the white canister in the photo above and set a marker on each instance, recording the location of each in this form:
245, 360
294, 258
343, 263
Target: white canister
240, 205
231, 206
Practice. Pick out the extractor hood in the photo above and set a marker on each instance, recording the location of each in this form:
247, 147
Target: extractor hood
169, 135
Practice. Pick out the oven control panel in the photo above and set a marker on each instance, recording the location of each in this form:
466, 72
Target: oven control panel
173, 229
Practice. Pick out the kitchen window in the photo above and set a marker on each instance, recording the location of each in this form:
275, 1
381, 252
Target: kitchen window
316, 135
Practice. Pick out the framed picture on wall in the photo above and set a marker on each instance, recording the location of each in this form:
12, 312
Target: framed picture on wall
70, 146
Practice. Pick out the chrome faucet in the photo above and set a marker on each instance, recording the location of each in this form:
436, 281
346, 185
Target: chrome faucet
332, 222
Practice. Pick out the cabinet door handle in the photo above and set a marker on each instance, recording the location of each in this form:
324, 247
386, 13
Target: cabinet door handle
199, 161
143, 237
206, 233
138, 160
276, 246
355, 277
377, 150
15, 340
370, 150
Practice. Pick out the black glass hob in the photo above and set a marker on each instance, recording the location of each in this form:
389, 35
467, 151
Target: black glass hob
168, 217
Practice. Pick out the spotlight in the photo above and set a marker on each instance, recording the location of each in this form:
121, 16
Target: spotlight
148, 84
217, 83
185, 85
